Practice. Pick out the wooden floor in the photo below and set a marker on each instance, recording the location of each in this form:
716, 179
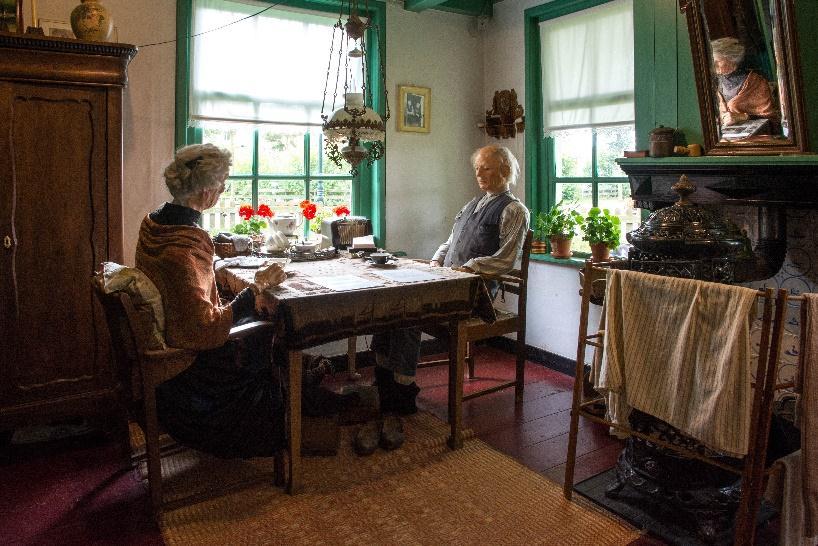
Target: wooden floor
72, 492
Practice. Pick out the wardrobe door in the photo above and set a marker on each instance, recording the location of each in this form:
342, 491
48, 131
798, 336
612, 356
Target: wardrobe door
53, 145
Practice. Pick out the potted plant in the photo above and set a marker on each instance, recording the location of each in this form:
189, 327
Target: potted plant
602, 232
559, 226
540, 243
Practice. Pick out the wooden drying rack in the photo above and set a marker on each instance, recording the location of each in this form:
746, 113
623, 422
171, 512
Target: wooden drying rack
754, 470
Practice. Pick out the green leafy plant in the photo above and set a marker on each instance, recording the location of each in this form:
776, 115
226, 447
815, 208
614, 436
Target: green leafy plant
601, 227
557, 222
253, 221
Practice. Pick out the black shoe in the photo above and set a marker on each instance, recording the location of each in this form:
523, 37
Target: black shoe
366, 439
391, 433
385, 381
403, 399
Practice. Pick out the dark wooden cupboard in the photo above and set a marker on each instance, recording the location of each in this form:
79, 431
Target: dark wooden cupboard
60, 216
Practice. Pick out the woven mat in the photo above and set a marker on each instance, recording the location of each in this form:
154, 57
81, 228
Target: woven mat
423, 493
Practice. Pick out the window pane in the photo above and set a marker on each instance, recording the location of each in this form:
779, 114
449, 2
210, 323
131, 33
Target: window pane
616, 198
319, 161
281, 150
331, 193
225, 214
238, 138
572, 152
611, 142
282, 195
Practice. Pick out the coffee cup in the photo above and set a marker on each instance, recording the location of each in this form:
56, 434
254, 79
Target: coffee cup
380, 257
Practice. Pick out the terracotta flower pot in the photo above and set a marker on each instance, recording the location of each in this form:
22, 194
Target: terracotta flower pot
561, 247
600, 252
539, 247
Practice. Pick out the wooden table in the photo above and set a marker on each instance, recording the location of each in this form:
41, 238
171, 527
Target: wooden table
313, 307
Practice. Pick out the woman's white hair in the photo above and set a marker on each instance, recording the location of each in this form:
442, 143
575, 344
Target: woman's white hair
728, 48
505, 157
195, 168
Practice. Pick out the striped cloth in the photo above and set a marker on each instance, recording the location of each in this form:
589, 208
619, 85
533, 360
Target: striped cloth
679, 349
807, 386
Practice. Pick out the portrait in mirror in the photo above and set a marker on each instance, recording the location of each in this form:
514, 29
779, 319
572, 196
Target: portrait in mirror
745, 58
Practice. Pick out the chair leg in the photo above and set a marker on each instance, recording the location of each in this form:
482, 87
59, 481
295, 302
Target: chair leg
352, 353
520, 372
470, 358
152, 449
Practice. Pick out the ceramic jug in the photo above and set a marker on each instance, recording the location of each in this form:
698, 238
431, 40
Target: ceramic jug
91, 21
286, 223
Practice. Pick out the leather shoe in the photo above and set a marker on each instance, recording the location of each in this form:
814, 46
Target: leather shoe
392, 436
366, 439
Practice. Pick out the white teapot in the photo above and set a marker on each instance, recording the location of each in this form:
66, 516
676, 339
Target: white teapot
285, 223
277, 241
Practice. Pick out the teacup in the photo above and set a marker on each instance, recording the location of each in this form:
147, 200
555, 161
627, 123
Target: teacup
380, 257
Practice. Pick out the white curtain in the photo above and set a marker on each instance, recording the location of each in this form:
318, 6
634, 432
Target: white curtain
271, 67
587, 67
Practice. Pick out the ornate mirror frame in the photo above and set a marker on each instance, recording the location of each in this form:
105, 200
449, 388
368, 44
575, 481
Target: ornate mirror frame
789, 136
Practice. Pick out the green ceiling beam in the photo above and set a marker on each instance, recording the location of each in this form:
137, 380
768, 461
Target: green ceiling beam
463, 7
420, 5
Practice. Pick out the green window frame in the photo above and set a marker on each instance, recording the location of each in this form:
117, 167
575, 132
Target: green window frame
368, 187
541, 170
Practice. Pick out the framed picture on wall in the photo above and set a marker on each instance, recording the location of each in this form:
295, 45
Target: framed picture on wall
11, 16
60, 29
414, 108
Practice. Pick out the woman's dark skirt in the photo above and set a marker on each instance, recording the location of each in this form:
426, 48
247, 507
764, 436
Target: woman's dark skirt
226, 408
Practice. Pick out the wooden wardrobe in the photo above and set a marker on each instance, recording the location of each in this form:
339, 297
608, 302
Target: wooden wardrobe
60, 216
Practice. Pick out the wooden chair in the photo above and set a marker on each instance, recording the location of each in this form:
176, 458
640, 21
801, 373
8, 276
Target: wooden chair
515, 282
141, 369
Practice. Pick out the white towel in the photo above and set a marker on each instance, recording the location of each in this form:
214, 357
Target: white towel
679, 349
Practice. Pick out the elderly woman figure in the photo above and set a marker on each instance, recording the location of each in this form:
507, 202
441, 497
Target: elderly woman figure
743, 94
214, 405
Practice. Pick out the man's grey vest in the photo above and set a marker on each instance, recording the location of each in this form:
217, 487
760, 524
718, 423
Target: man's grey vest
477, 234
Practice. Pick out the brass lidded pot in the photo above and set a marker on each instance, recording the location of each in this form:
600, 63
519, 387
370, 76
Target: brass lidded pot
685, 230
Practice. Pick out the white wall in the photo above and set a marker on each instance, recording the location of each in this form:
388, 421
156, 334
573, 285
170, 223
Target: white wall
553, 300
429, 176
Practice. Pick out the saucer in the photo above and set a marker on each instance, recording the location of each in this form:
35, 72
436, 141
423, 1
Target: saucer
390, 263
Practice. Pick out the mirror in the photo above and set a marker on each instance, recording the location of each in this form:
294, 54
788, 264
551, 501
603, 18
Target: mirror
745, 59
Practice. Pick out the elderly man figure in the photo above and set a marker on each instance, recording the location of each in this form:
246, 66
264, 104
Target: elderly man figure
487, 237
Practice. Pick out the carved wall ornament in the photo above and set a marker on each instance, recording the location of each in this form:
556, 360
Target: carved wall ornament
506, 116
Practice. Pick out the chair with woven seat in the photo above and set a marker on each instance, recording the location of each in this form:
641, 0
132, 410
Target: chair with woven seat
141, 366
508, 322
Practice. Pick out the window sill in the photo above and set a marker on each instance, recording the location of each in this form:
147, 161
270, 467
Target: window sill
576, 262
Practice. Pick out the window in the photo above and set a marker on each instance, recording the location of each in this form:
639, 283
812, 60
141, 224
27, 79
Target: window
253, 82
581, 67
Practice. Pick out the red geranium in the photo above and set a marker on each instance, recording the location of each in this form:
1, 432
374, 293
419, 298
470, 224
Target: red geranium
265, 211
309, 211
341, 210
246, 211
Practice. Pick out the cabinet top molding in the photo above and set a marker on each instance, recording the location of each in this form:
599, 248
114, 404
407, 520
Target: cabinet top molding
26, 57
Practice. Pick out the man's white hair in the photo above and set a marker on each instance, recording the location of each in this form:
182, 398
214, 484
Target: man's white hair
505, 157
